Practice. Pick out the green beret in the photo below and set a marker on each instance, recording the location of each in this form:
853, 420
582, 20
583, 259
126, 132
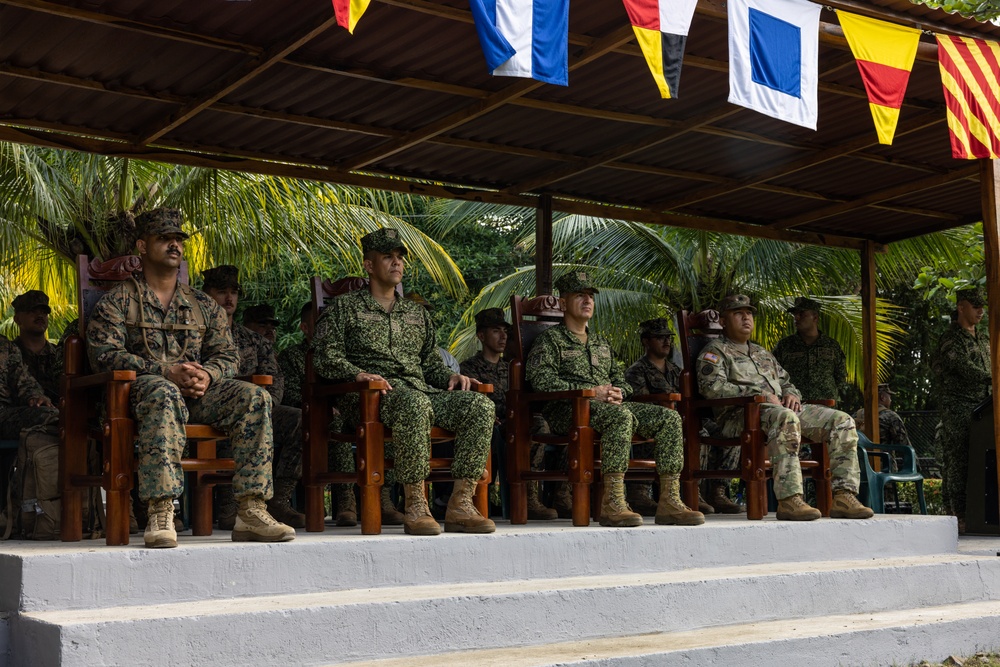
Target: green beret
575, 281
31, 300
804, 303
222, 277
736, 302
491, 317
383, 240
655, 327
974, 295
260, 314
159, 221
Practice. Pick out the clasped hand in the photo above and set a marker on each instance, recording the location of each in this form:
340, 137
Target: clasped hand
191, 377
608, 393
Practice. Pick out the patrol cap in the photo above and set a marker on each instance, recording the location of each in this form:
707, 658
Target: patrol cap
489, 318
575, 281
383, 240
974, 295
659, 326
736, 302
804, 303
222, 277
31, 300
884, 389
419, 300
159, 221
260, 314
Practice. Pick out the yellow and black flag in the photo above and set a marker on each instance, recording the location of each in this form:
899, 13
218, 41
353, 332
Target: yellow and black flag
661, 28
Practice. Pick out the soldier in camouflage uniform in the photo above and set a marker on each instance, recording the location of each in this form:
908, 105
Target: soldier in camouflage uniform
184, 361
257, 358
23, 402
815, 362
370, 335
260, 319
43, 359
964, 372
566, 357
891, 429
732, 366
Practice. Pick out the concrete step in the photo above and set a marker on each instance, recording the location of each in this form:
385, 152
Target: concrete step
415, 620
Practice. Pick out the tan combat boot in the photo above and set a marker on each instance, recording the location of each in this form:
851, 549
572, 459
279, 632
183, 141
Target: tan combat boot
793, 508
640, 498
615, 511
280, 505
345, 506
462, 515
562, 503
672, 511
721, 503
254, 524
160, 533
390, 515
417, 519
847, 506
537, 511
225, 516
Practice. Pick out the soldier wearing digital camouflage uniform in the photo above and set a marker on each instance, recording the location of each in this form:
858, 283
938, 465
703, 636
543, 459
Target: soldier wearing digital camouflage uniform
963, 370
567, 356
371, 335
185, 362
260, 319
43, 359
732, 366
23, 402
257, 358
814, 361
891, 429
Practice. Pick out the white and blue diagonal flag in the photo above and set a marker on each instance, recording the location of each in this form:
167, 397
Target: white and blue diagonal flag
525, 38
774, 58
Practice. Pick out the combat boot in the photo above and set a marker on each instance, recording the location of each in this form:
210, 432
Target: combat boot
160, 533
847, 506
417, 519
562, 503
133, 522
462, 515
672, 511
390, 515
280, 505
703, 505
640, 498
346, 509
225, 516
254, 524
615, 511
537, 510
721, 503
793, 508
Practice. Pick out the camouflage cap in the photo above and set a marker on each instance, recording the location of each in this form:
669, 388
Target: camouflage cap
884, 389
575, 281
491, 317
260, 314
31, 300
974, 295
804, 303
383, 240
221, 277
159, 221
736, 302
659, 326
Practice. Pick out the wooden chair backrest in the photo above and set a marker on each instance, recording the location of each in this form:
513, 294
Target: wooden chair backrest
323, 289
530, 316
695, 330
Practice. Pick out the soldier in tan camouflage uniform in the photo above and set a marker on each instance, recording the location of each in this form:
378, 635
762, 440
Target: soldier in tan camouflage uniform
260, 319
814, 361
371, 335
257, 358
184, 361
567, 356
732, 366
43, 359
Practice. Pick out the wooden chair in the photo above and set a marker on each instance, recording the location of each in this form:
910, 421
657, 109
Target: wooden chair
83, 392
368, 438
696, 330
530, 317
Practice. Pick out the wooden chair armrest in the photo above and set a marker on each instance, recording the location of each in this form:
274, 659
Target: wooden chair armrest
98, 379
259, 380
350, 387
483, 388
666, 400
736, 400
559, 395
828, 402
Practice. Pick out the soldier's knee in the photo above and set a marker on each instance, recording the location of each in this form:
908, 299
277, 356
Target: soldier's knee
483, 407
166, 392
788, 417
416, 404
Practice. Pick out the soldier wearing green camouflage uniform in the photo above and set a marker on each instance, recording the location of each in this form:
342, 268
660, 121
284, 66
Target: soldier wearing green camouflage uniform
732, 366
815, 362
184, 362
567, 356
23, 402
371, 335
891, 429
964, 373
43, 359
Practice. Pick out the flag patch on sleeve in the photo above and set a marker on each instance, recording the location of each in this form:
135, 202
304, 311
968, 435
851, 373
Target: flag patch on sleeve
708, 356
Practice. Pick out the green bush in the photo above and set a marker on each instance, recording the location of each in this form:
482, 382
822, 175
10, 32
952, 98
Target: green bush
932, 495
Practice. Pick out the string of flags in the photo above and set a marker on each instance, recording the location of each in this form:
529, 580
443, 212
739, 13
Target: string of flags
773, 58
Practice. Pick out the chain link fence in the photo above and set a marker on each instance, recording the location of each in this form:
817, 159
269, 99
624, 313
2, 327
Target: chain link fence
921, 426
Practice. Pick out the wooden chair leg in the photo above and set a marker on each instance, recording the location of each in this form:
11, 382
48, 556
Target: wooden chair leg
371, 509
116, 513
518, 502
756, 499
581, 504
201, 510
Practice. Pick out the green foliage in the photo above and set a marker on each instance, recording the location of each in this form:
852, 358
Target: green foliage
985, 10
932, 496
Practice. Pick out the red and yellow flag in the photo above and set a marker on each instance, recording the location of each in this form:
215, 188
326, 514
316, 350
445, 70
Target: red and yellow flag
969, 75
885, 54
661, 28
348, 12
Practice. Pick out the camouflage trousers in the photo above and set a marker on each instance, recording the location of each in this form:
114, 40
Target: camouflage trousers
286, 424
411, 413
952, 445
239, 409
15, 418
616, 424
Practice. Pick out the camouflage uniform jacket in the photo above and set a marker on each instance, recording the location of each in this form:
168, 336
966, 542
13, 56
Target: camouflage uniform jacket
558, 361
257, 358
891, 430
727, 369
494, 374
355, 335
46, 367
111, 345
292, 362
646, 378
18, 386
818, 370
962, 364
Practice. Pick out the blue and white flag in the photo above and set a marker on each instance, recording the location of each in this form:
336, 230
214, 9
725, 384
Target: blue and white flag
526, 38
774, 58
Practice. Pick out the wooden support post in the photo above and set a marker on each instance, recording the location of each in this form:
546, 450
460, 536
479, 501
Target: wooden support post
543, 246
990, 184
869, 340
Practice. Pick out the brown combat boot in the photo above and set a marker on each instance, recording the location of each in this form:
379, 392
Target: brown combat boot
615, 511
462, 515
537, 511
280, 505
417, 519
345, 506
390, 515
703, 505
225, 515
640, 498
721, 503
160, 533
133, 522
672, 511
562, 503
255, 524
847, 506
793, 508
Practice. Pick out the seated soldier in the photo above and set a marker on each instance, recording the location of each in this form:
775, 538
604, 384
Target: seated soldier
43, 359
371, 335
23, 402
260, 319
567, 356
733, 366
891, 429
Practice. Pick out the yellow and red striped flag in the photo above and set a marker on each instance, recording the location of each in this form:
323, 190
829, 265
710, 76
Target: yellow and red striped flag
969, 75
348, 12
884, 53
661, 28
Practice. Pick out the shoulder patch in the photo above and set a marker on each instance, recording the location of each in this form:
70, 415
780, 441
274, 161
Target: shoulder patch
711, 358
